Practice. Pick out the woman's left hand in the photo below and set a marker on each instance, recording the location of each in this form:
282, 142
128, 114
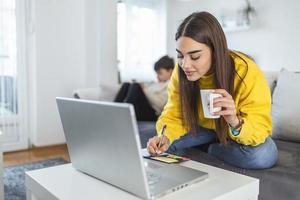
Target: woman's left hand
228, 110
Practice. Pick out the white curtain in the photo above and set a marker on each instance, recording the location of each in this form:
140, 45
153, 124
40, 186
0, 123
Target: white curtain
141, 37
11, 81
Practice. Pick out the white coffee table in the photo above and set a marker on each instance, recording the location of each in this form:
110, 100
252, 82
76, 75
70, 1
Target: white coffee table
65, 183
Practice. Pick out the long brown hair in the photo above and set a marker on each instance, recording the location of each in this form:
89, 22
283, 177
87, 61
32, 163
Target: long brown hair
205, 28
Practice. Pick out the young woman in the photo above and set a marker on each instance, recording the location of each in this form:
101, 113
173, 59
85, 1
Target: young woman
149, 99
241, 136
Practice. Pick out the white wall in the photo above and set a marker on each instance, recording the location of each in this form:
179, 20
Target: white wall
64, 55
273, 40
101, 42
59, 63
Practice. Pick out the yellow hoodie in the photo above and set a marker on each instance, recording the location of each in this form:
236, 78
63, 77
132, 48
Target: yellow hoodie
252, 102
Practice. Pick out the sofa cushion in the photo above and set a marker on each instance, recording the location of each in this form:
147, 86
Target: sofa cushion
147, 130
101, 93
286, 108
271, 77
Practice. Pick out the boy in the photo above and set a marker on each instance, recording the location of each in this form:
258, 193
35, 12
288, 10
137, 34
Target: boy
149, 99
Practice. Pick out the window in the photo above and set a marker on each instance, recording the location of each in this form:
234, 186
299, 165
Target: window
8, 52
13, 90
141, 38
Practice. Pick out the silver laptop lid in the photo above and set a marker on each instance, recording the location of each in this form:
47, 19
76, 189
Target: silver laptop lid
101, 143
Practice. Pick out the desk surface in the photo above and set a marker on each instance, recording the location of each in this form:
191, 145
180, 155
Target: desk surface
65, 183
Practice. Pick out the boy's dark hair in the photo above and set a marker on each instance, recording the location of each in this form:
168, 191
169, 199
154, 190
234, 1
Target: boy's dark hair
164, 62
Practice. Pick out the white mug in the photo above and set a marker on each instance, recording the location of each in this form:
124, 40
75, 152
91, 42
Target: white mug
207, 99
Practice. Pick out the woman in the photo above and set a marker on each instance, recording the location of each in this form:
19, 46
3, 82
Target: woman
241, 136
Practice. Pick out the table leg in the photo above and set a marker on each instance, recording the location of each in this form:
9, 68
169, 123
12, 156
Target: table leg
29, 195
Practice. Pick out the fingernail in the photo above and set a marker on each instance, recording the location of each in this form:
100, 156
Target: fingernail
158, 152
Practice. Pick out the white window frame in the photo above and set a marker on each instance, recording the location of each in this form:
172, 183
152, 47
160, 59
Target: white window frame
20, 120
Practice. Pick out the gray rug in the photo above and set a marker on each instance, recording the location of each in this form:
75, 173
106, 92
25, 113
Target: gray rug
14, 177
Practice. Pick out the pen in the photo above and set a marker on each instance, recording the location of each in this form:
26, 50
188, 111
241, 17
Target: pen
162, 134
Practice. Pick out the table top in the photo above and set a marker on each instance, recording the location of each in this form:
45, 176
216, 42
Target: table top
65, 182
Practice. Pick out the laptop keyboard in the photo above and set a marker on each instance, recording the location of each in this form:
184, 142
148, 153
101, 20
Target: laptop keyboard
150, 165
152, 177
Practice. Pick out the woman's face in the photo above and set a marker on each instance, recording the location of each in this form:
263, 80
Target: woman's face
193, 57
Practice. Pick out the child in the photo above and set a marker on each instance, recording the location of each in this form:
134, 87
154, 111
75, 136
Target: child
148, 99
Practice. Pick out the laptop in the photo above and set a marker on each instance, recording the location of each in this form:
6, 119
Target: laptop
103, 142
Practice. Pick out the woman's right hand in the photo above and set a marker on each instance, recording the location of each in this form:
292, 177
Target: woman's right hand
158, 145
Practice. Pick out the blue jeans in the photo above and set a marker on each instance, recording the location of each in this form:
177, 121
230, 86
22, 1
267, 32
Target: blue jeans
249, 157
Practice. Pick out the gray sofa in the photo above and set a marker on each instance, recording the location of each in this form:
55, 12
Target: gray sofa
282, 182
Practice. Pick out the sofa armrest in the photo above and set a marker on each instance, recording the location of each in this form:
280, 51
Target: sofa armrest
101, 93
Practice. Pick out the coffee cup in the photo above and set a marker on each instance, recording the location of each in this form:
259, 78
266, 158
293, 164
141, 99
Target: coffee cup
207, 99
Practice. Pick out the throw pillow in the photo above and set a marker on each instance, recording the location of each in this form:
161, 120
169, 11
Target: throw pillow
286, 107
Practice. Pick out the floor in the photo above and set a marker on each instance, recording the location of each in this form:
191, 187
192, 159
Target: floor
36, 154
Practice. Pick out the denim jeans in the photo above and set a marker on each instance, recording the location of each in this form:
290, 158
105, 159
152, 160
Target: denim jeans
249, 157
